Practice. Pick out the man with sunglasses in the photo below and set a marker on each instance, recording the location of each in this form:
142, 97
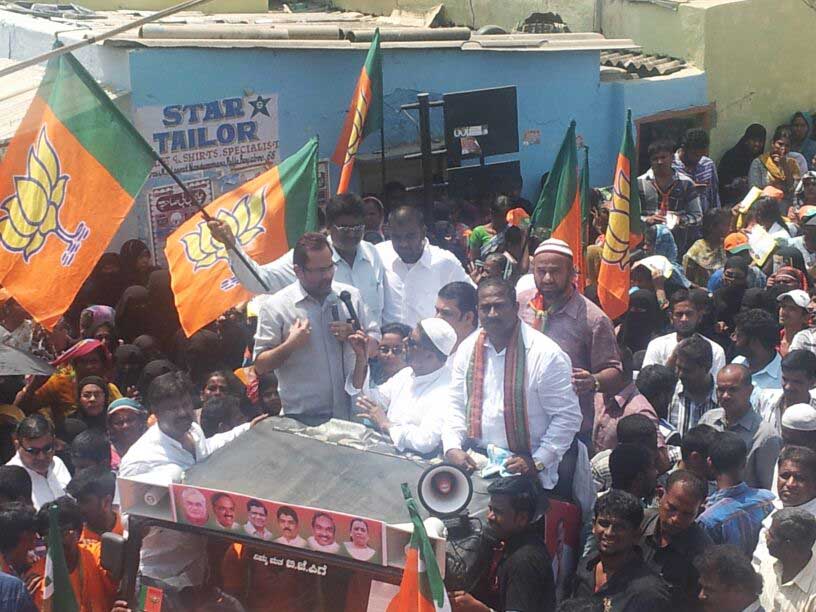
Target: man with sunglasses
356, 261
34, 441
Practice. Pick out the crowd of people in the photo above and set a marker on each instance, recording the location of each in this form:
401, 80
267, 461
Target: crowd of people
683, 432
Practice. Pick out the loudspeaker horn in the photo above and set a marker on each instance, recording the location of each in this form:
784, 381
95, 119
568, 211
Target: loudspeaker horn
445, 489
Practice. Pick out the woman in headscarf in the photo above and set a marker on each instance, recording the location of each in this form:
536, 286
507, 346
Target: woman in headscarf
93, 395
58, 393
801, 132
642, 322
129, 361
707, 254
105, 332
137, 262
787, 278
735, 164
150, 347
202, 355
164, 315
93, 316
127, 421
133, 314
106, 283
660, 241
775, 168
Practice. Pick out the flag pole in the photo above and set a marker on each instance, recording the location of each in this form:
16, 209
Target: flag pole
43, 57
208, 217
382, 153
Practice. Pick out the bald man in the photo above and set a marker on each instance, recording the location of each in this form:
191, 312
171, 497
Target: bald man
415, 270
735, 414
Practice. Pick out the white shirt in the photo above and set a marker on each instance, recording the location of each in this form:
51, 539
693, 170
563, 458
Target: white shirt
297, 541
414, 405
553, 413
46, 488
332, 548
179, 559
661, 348
525, 283
804, 340
761, 550
263, 535
796, 595
366, 274
411, 289
768, 404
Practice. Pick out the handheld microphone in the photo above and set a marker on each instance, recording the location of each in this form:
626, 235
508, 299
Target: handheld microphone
345, 297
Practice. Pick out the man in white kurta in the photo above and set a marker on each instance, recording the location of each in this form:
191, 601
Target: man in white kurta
415, 270
409, 405
553, 413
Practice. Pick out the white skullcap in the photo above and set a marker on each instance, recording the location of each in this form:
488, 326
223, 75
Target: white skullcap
801, 417
440, 333
554, 245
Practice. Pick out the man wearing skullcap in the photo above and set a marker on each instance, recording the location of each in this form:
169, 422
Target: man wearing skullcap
523, 576
408, 407
578, 326
510, 387
798, 426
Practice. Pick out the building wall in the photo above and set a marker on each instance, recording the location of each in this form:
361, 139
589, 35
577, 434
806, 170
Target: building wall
314, 88
579, 14
750, 53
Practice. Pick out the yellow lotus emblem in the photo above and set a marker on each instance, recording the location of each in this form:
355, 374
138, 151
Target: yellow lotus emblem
616, 245
32, 212
245, 222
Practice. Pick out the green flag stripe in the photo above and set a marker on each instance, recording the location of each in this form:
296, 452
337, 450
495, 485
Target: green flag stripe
373, 68
558, 193
298, 177
628, 151
433, 577
63, 599
88, 113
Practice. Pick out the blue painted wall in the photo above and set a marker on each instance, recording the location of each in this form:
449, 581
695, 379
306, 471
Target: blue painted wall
314, 87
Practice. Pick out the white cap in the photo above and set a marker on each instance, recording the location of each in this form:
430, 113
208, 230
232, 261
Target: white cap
440, 333
554, 245
799, 297
801, 417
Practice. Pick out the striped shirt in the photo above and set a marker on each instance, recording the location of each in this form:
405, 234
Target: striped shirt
734, 515
685, 412
704, 175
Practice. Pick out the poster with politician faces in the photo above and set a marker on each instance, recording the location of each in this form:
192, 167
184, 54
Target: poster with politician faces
296, 526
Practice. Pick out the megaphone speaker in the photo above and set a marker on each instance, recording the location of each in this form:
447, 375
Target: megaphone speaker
445, 489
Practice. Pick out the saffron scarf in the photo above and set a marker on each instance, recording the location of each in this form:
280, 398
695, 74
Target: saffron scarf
515, 402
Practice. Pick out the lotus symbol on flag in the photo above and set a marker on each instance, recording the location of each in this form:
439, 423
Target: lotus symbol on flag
245, 221
616, 245
32, 211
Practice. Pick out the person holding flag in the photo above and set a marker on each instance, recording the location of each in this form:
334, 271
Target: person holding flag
523, 576
75, 580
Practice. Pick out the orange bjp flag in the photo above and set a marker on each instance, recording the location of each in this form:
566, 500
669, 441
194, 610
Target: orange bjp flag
68, 180
267, 215
624, 230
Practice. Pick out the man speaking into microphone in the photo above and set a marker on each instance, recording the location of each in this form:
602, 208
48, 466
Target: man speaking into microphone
303, 335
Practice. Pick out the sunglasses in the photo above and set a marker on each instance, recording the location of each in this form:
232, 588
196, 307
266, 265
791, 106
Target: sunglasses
44, 450
393, 350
